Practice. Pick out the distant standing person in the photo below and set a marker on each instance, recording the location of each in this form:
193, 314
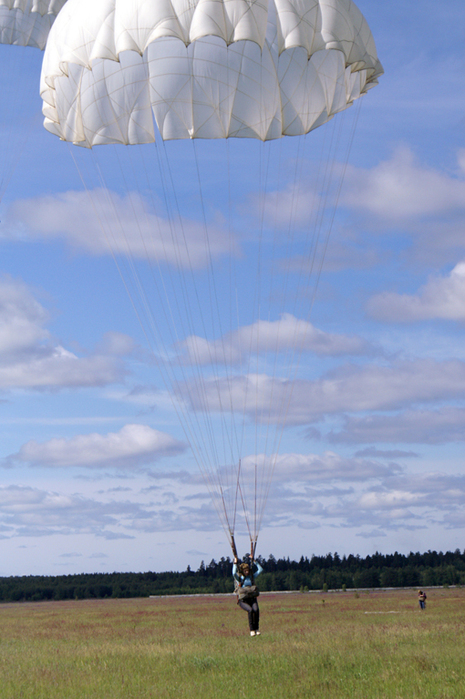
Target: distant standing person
422, 599
247, 592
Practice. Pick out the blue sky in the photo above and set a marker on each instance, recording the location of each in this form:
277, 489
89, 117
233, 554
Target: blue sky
96, 474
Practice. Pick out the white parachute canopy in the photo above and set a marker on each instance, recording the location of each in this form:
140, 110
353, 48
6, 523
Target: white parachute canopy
226, 313
203, 69
27, 22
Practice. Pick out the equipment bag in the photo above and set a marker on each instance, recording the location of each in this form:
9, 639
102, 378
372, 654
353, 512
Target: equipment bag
249, 591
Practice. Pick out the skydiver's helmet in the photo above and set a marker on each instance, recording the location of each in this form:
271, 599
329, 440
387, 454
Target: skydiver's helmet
245, 566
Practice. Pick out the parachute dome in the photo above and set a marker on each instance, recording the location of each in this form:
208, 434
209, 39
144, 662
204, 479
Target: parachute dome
203, 69
27, 22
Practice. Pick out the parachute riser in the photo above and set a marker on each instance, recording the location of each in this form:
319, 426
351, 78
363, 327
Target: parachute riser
233, 547
253, 546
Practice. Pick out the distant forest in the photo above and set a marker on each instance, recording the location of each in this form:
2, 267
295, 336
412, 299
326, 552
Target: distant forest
330, 572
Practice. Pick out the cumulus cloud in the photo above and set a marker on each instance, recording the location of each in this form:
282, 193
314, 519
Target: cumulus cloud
422, 208
288, 333
35, 512
288, 488
22, 319
385, 454
348, 389
441, 297
399, 502
318, 469
461, 160
408, 427
402, 189
297, 486
130, 448
391, 500
424, 205
61, 368
306, 492
431, 496
117, 344
291, 207
31, 358
127, 223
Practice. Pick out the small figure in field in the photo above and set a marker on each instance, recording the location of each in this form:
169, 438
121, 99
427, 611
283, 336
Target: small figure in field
422, 599
247, 592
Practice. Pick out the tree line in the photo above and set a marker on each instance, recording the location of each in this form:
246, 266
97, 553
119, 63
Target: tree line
330, 572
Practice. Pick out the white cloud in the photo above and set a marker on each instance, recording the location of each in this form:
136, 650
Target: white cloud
288, 333
317, 469
126, 224
434, 495
408, 427
117, 344
131, 447
390, 500
461, 160
21, 318
441, 297
295, 486
305, 493
440, 487
31, 358
385, 454
419, 211
348, 389
396, 501
34, 512
402, 189
61, 368
292, 207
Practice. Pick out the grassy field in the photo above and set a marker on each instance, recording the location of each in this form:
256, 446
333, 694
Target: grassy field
333, 645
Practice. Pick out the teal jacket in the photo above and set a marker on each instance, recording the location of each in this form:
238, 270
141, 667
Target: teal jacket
241, 579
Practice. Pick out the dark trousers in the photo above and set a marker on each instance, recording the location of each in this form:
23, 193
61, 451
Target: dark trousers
250, 605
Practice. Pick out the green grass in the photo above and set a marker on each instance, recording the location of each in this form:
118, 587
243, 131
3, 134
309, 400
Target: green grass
376, 645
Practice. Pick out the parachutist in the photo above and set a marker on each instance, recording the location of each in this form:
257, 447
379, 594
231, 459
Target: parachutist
422, 599
247, 592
